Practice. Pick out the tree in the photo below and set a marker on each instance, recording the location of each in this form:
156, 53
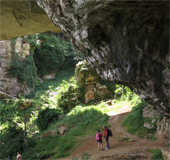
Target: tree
52, 52
14, 118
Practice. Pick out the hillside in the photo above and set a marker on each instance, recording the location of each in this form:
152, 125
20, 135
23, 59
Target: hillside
134, 148
81, 122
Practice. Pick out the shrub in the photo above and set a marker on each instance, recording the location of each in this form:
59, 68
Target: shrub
36, 155
67, 95
46, 117
157, 154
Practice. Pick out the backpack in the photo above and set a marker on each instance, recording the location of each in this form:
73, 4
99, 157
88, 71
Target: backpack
98, 136
110, 133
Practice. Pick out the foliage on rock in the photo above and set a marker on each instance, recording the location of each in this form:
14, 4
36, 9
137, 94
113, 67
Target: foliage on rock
90, 87
24, 69
67, 95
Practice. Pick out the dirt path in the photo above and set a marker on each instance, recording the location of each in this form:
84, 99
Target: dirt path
136, 147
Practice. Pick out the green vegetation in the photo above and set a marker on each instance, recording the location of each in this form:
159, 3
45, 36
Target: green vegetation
43, 88
46, 117
167, 145
24, 70
14, 121
81, 121
157, 154
12, 141
25, 119
67, 95
51, 53
48, 53
134, 122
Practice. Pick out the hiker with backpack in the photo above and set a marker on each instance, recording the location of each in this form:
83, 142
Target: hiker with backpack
99, 139
107, 134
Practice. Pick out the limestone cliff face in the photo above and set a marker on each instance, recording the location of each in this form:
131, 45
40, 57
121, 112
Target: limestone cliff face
126, 42
23, 17
9, 86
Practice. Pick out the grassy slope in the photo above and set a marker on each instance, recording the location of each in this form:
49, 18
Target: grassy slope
81, 121
51, 85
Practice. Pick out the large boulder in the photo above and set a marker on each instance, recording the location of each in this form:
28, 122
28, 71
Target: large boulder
124, 41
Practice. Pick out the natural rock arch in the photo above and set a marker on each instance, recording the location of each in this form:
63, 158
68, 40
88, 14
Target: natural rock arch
125, 41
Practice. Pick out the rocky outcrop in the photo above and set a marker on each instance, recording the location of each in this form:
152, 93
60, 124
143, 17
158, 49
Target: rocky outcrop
124, 41
157, 122
9, 85
88, 87
91, 84
23, 17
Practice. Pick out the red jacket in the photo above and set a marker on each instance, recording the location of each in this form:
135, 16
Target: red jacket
106, 132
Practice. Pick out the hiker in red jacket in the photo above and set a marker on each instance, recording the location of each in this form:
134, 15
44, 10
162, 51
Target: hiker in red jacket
106, 136
99, 139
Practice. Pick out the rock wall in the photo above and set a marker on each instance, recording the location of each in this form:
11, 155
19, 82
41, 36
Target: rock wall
124, 41
9, 86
